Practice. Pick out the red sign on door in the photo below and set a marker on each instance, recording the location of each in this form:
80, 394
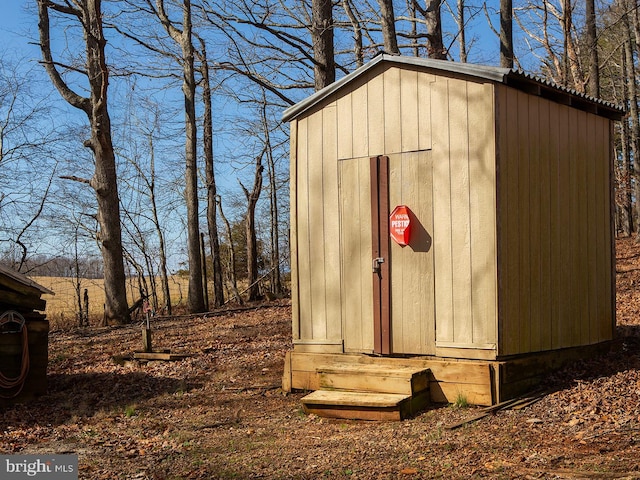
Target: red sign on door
400, 225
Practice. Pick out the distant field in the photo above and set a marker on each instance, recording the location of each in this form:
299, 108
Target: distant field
61, 307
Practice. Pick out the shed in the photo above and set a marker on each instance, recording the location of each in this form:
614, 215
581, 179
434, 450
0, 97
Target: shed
508, 269
24, 338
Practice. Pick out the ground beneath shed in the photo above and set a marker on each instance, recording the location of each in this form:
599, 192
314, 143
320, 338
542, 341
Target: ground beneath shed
221, 413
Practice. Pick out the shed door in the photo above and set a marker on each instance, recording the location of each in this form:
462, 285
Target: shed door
387, 304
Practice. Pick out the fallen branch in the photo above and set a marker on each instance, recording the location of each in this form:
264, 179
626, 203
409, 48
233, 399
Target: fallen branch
515, 404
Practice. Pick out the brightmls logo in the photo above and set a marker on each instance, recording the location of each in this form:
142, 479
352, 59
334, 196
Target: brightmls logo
44, 467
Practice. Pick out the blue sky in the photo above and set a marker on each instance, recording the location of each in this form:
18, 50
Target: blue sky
14, 22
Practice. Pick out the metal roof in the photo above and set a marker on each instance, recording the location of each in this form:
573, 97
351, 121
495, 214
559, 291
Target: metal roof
514, 78
23, 279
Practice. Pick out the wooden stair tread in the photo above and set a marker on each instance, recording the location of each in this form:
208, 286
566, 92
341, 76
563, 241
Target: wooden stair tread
356, 399
373, 369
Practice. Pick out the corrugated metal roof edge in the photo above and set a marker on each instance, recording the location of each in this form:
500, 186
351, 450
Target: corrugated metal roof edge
515, 78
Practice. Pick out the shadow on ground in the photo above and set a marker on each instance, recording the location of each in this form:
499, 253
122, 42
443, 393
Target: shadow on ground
71, 396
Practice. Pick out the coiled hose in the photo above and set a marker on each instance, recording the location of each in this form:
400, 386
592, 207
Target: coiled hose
17, 383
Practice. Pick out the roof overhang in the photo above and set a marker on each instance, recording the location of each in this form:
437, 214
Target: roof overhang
506, 76
9, 277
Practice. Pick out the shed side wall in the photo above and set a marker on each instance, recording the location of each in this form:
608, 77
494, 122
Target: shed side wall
554, 234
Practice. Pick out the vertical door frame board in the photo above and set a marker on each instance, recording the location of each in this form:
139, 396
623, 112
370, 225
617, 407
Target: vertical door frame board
380, 248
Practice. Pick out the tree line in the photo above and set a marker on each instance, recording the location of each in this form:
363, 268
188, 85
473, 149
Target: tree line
177, 141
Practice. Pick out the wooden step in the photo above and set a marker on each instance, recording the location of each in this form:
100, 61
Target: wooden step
374, 378
364, 405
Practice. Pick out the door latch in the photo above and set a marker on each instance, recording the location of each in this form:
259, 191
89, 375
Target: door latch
376, 264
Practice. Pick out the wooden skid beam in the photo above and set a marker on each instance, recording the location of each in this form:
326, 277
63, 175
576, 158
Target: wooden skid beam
160, 356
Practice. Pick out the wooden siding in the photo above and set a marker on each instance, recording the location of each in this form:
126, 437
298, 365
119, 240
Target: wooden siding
548, 270
554, 225
464, 232
386, 112
366, 120
356, 254
314, 220
412, 278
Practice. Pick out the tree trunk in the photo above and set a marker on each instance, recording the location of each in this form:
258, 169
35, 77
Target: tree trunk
592, 47
231, 270
413, 12
573, 75
250, 228
623, 190
184, 38
104, 180
203, 266
433, 19
164, 277
634, 124
506, 34
212, 221
357, 33
462, 40
388, 21
195, 295
324, 70
276, 283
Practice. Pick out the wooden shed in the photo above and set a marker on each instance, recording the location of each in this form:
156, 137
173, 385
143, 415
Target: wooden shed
507, 269
24, 338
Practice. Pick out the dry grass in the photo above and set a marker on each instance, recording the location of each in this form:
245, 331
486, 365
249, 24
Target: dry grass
62, 307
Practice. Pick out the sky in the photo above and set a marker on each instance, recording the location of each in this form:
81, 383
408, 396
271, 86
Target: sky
18, 33
14, 22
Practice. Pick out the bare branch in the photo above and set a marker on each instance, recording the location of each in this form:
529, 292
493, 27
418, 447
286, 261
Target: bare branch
76, 179
69, 95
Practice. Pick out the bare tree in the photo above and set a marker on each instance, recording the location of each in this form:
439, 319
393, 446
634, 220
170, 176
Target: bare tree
276, 282
506, 34
462, 38
322, 39
231, 267
250, 226
433, 20
625, 167
592, 48
104, 181
27, 140
212, 221
572, 65
632, 100
388, 21
184, 38
356, 25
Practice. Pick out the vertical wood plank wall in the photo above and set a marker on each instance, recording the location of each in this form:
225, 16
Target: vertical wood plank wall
518, 190
385, 112
355, 244
553, 223
464, 231
412, 278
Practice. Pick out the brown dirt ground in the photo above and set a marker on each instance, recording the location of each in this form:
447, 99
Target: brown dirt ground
221, 413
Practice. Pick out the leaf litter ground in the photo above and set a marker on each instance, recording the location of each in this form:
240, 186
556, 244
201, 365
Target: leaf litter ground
222, 414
